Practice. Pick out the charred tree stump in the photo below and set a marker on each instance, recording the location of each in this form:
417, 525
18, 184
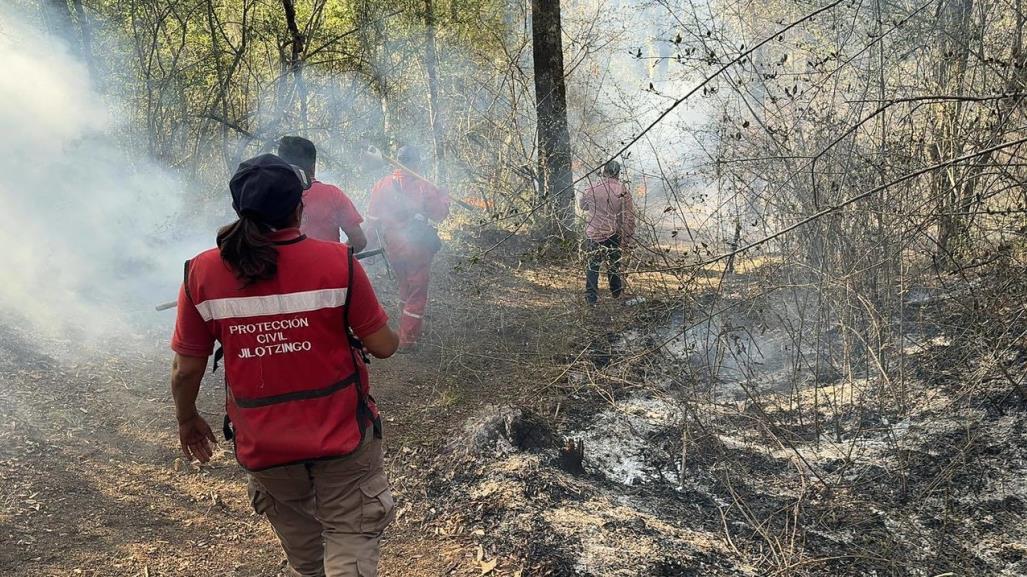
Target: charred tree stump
572, 457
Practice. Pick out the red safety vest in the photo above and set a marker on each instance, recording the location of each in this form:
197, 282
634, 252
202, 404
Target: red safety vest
296, 387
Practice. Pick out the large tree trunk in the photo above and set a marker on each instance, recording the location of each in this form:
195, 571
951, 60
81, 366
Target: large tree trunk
431, 66
554, 142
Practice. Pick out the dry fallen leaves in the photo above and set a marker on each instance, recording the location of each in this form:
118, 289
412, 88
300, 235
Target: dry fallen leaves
486, 566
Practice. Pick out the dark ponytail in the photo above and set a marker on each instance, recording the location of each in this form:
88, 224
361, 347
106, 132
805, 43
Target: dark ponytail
246, 248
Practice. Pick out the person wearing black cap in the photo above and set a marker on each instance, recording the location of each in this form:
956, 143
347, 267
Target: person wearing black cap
326, 208
293, 317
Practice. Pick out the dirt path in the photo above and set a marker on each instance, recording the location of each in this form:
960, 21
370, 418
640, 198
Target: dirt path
90, 483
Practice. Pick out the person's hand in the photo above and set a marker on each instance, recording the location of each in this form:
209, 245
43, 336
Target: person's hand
196, 438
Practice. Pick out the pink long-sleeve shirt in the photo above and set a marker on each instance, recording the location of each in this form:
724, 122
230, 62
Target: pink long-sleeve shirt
610, 210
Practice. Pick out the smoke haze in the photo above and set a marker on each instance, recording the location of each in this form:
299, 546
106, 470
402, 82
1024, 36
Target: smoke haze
86, 243
94, 233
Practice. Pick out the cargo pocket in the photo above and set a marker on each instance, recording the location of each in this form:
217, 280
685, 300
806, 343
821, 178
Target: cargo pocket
377, 509
260, 500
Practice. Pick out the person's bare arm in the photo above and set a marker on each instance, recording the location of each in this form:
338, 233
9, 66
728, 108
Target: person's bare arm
382, 343
356, 238
194, 433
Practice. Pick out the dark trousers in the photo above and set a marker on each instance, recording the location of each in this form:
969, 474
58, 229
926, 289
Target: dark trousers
598, 252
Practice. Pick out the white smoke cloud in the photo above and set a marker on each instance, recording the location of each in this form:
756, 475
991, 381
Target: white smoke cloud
86, 221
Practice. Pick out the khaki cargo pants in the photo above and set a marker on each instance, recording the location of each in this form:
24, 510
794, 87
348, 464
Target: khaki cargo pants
329, 515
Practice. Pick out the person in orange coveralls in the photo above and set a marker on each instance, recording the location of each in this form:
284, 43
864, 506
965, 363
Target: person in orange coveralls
404, 208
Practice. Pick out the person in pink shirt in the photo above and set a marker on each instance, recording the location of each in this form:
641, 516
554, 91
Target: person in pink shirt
610, 226
326, 209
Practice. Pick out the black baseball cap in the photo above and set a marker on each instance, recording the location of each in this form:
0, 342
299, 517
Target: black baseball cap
267, 189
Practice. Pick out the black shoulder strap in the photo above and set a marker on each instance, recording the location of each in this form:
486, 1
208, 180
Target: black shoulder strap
185, 280
355, 346
349, 286
364, 414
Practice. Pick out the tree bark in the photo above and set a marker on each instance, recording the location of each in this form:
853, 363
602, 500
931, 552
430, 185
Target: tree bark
62, 21
374, 40
431, 66
86, 37
297, 45
954, 18
58, 17
554, 142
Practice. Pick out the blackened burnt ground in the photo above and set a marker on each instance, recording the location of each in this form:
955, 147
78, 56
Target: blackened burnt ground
763, 489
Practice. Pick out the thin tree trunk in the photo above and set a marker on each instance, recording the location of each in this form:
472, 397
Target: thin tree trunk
295, 62
62, 22
954, 16
374, 40
969, 203
86, 37
231, 152
58, 17
554, 154
431, 62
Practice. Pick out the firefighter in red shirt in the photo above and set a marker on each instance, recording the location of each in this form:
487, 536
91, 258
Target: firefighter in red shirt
290, 314
326, 208
404, 208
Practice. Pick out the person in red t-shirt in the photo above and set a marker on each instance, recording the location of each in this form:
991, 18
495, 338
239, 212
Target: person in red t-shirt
403, 208
288, 312
326, 208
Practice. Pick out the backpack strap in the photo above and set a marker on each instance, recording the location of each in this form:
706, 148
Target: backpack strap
185, 280
400, 199
410, 212
355, 344
365, 416
349, 288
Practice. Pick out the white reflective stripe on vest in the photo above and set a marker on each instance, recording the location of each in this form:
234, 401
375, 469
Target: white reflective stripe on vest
410, 314
230, 308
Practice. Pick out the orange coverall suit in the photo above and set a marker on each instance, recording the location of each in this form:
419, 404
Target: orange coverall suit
396, 202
